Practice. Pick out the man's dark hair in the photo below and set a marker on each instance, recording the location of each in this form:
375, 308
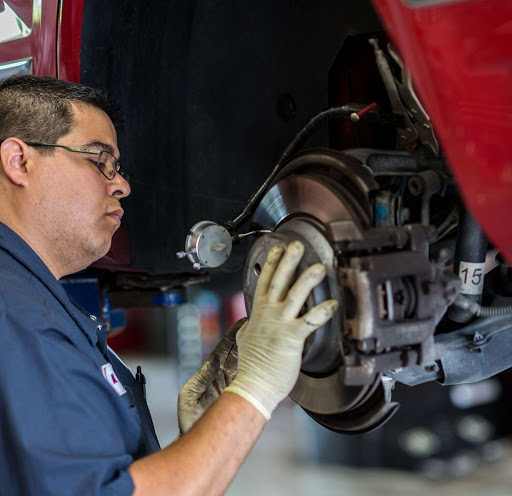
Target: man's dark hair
37, 108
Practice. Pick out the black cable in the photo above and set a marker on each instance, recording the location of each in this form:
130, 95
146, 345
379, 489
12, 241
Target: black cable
296, 143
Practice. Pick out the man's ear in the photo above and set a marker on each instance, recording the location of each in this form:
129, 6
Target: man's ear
13, 153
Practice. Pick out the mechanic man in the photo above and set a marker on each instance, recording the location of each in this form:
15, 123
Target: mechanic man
72, 418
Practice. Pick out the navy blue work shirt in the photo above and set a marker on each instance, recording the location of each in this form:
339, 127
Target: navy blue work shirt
72, 417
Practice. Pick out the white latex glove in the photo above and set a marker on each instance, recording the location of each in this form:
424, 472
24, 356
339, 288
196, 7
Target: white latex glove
270, 345
203, 388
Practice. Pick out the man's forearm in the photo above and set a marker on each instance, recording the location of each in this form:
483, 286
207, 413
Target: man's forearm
205, 460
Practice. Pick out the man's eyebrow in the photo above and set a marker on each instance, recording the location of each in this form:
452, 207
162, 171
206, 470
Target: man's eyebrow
100, 145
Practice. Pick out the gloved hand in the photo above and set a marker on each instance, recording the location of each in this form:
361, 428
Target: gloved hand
270, 345
202, 389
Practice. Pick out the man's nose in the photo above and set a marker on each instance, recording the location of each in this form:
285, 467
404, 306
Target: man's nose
118, 187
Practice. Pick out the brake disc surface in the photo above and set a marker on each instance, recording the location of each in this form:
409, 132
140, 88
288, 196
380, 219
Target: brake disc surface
315, 189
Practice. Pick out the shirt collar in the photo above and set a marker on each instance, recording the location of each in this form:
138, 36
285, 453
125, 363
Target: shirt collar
26, 256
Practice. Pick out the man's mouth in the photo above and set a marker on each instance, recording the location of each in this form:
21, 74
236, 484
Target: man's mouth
117, 215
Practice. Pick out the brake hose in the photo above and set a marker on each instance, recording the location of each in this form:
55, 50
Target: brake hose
482, 311
296, 143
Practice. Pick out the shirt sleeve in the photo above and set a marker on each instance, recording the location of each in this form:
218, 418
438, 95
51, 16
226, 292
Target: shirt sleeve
63, 429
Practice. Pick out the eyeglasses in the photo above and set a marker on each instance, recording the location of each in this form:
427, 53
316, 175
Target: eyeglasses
108, 165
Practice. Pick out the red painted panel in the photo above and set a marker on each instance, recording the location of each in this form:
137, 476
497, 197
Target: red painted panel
460, 57
69, 40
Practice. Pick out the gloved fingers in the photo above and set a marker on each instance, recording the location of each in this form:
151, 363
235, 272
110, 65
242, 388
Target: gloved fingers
226, 343
231, 362
231, 365
265, 278
232, 331
285, 272
300, 291
217, 359
223, 347
214, 391
240, 333
200, 381
318, 316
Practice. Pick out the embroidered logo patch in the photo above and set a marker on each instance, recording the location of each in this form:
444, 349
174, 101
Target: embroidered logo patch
111, 377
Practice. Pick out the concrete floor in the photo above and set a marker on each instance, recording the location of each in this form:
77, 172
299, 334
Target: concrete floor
278, 464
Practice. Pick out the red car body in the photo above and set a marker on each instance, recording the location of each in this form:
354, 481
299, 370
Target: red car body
460, 57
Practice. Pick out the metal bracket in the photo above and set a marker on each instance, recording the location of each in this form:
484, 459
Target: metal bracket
403, 99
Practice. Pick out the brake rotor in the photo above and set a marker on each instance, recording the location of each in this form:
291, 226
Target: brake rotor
316, 188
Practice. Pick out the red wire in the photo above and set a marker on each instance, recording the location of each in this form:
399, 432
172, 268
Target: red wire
366, 109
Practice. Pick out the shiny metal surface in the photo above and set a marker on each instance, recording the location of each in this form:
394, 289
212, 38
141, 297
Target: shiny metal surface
23, 66
327, 395
12, 26
208, 245
371, 412
299, 195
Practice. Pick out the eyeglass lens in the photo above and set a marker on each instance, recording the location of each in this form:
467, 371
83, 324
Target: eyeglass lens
109, 165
